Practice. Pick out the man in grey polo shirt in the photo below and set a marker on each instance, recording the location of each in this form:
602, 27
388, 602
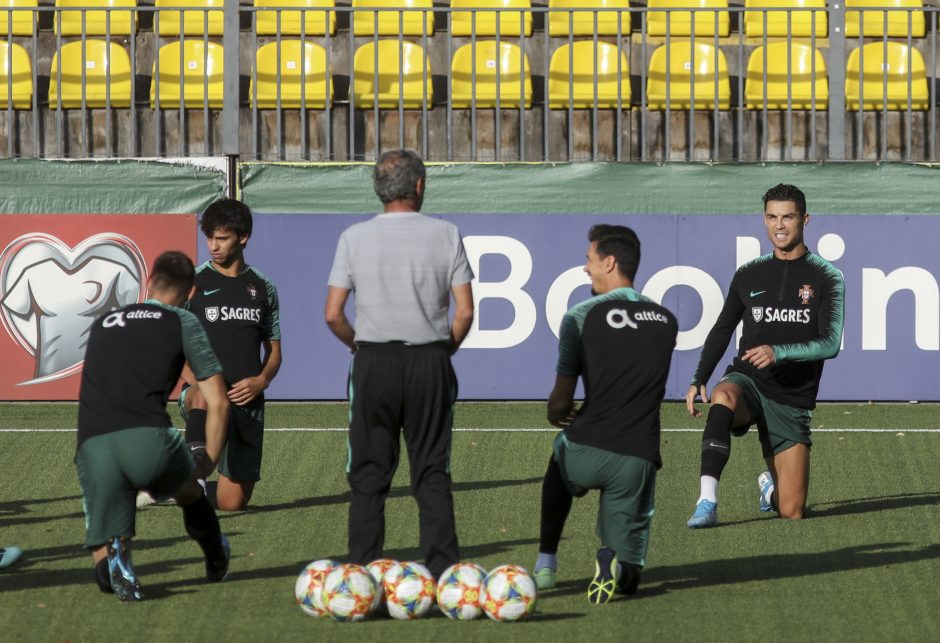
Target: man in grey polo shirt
403, 267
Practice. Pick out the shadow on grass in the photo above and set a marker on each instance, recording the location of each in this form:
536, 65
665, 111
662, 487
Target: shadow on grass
18, 512
853, 506
395, 492
661, 580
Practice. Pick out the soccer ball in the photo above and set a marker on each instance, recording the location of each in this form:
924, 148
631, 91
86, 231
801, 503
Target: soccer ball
409, 590
509, 593
349, 593
309, 584
459, 590
378, 568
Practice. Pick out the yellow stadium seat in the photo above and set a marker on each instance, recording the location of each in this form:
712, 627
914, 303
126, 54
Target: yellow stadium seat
201, 75
895, 68
515, 78
317, 85
413, 23
483, 23
123, 23
196, 22
680, 22
315, 23
800, 22
13, 57
383, 79
581, 20
106, 72
709, 64
20, 22
875, 20
801, 80
581, 80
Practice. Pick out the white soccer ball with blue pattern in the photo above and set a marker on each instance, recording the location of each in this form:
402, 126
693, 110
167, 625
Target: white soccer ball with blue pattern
409, 591
509, 593
349, 593
459, 591
307, 589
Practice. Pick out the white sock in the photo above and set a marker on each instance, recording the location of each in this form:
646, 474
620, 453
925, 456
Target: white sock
202, 483
709, 489
546, 560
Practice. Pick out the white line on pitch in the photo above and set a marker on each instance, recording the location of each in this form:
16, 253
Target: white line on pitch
498, 430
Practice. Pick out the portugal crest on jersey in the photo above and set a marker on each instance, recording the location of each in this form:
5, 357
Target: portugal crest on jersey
252, 292
758, 313
212, 313
806, 293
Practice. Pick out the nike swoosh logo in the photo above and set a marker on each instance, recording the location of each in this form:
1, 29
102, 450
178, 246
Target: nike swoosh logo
206, 293
755, 293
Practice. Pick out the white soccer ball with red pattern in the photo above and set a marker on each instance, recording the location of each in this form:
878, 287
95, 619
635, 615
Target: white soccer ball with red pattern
409, 591
509, 593
378, 569
307, 589
459, 591
349, 593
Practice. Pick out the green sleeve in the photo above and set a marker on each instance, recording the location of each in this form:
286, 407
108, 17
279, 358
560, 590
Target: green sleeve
196, 347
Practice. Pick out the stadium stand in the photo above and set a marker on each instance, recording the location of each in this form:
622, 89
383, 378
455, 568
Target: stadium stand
467, 19
697, 77
886, 75
198, 74
73, 19
663, 18
18, 23
795, 79
195, 22
799, 24
894, 24
93, 74
483, 78
392, 73
300, 80
571, 77
578, 18
393, 23
16, 77
269, 21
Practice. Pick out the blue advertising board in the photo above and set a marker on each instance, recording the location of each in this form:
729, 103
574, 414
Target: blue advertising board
528, 271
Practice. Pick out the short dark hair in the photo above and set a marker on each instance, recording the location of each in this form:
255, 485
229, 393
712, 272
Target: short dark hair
619, 241
396, 174
228, 214
786, 192
173, 270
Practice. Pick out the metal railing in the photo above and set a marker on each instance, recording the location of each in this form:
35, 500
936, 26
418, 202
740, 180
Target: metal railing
702, 116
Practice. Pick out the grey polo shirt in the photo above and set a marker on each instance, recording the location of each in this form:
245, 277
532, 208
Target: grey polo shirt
401, 267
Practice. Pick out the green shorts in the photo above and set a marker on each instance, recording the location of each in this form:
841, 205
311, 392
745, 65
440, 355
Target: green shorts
627, 485
779, 426
114, 466
241, 456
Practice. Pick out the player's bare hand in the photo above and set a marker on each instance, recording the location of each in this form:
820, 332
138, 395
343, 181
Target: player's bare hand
760, 356
245, 391
693, 392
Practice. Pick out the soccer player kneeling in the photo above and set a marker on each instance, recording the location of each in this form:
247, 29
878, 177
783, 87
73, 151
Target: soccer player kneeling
126, 441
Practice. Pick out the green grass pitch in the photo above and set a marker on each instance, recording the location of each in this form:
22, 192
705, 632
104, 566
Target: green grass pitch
862, 567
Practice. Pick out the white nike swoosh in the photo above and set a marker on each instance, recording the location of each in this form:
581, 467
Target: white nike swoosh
206, 293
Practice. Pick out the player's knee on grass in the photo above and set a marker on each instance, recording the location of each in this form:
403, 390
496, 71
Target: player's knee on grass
791, 511
233, 496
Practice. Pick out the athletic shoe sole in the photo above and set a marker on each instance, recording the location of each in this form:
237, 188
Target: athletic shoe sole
123, 581
602, 588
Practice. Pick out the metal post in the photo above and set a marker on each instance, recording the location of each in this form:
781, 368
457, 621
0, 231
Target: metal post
837, 81
230, 48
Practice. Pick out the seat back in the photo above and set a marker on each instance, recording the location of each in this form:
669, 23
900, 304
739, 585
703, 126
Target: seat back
105, 69
413, 23
16, 77
571, 76
200, 66
315, 23
806, 82
302, 73
376, 71
800, 24
898, 22
480, 75
96, 23
887, 80
702, 68
20, 22
576, 17
483, 23
194, 22
681, 23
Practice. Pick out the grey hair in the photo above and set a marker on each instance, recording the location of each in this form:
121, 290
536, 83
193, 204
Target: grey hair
396, 175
